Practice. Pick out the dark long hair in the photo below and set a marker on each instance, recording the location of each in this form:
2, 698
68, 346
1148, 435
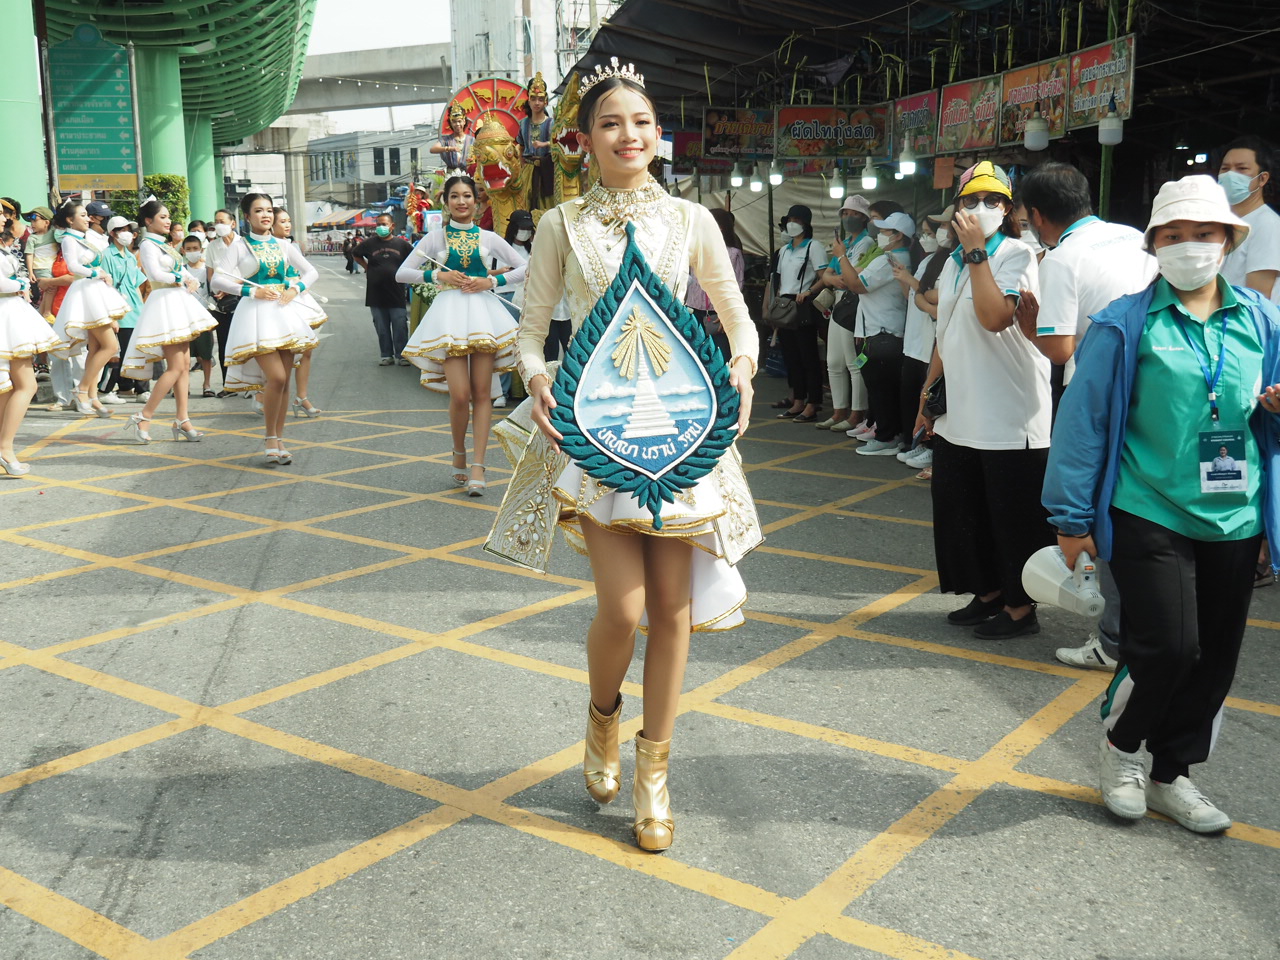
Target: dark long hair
246, 202
727, 223
62, 216
452, 182
149, 211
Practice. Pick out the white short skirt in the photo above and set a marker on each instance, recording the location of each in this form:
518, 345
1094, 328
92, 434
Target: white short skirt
259, 327
170, 315
717, 592
314, 313
89, 303
23, 333
457, 325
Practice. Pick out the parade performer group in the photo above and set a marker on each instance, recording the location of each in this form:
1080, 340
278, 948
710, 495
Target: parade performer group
468, 334
641, 400
270, 327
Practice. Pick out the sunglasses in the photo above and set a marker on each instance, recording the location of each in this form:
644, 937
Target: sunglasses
991, 201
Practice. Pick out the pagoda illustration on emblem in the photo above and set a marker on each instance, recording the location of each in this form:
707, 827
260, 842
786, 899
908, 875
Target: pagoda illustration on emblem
643, 396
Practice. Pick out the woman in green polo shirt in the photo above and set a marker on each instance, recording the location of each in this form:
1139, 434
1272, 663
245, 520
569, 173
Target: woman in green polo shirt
1165, 379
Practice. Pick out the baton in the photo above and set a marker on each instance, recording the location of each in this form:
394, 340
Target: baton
511, 307
250, 283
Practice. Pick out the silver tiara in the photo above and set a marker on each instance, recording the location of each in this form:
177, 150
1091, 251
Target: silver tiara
150, 199
613, 70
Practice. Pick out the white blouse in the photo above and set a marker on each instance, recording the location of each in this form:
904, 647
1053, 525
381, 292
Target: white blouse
434, 247
157, 261
79, 252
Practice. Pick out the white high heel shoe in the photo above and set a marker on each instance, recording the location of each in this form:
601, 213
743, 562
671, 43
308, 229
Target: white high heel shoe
188, 432
475, 488
13, 468
135, 424
276, 453
258, 408
300, 408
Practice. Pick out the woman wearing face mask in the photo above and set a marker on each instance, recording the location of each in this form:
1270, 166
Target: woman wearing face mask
220, 245
171, 318
799, 266
844, 372
882, 318
991, 444
202, 346
1165, 377
918, 337
300, 268
268, 329
467, 334
23, 335
121, 262
89, 315
674, 574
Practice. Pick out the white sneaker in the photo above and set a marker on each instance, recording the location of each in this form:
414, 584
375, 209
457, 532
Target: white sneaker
1089, 655
904, 455
1183, 803
1123, 778
143, 397
500, 402
386, 361
110, 399
880, 448
863, 431
920, 458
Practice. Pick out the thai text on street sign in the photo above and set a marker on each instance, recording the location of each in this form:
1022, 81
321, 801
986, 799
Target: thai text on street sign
736, 133
824, 131
969, 115
1098, 74
915, 123
1040, 86
92, 93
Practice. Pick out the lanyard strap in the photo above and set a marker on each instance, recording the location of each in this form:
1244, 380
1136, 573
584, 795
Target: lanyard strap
1210, 382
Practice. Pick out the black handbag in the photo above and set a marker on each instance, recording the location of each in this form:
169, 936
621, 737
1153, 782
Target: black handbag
935, 398
883, 347
845, 312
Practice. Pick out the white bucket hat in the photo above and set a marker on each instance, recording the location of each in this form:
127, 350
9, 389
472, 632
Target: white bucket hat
115, 223
1197, 198
898, 221
857, 203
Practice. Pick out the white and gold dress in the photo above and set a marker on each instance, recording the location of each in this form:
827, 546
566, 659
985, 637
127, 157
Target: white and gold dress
260, 327
577, 253
172, 314
90, 301
23, 332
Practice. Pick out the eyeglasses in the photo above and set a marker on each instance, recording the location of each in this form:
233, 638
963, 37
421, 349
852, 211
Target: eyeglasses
991, 200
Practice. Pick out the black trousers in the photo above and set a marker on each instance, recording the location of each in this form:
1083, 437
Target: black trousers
115, 381
987, 518
914, 374
805, 366
224, 332
1183, 607
883, 378
558, 335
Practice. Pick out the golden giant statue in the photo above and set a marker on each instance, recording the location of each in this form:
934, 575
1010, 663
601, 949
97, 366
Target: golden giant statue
497, 159
571, 175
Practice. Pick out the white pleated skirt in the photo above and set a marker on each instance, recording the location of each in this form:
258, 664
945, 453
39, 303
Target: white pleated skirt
23, 333
314, 313
717, 592
259, 327
170, 315
89, 303
457, 325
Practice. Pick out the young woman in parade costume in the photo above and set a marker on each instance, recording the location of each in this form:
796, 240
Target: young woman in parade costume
301, 268
23, 335
468, 334
454, 147
90, 310
171, 318
673, 574
268, 328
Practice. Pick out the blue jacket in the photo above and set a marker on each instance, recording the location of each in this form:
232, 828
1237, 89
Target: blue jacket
1088, 436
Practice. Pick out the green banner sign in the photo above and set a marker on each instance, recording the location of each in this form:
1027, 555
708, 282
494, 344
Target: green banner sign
92, 99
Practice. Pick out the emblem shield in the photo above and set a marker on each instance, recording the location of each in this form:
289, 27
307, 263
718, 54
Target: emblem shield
643, 396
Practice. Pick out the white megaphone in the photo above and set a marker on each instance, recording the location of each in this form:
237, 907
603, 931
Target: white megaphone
1047, 579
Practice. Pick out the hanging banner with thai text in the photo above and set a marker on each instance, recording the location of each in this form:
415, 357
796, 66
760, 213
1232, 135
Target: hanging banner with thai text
915, 124
730, 133
839, 132
1098, 74
969, 115
1043, 84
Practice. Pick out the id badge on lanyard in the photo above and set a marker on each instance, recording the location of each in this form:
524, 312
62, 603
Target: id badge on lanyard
1222, 456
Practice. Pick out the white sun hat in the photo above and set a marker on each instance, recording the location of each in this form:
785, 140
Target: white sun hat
898, 221
1197, 198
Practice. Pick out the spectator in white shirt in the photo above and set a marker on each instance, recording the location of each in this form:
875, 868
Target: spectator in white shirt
992, 443
799, 265
1244, 174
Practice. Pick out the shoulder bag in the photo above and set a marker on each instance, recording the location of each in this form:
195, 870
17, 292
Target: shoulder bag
783, 313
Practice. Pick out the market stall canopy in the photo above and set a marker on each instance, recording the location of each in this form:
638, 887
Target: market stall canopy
1215, 70
339, 218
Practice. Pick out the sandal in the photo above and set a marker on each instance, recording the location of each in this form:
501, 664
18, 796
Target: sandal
459, 475
208, 393
1262, 575
475, 488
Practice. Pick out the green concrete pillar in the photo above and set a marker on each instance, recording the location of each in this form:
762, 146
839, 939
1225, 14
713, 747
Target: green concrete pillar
204, 170
24, 174
158, 88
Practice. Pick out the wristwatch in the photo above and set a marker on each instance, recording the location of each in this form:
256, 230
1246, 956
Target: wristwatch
975, 256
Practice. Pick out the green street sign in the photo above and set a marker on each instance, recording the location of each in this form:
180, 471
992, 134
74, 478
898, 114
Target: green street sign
92, 98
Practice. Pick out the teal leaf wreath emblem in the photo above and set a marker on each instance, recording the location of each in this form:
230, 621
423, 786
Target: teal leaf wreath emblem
643, 398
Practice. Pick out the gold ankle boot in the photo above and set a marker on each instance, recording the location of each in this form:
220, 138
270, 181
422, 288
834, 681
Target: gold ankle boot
601, 765
654, 828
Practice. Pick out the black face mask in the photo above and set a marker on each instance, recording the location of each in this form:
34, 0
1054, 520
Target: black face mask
853, 225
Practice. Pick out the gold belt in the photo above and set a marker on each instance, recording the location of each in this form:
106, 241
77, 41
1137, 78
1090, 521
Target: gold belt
156, 285
14, 294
